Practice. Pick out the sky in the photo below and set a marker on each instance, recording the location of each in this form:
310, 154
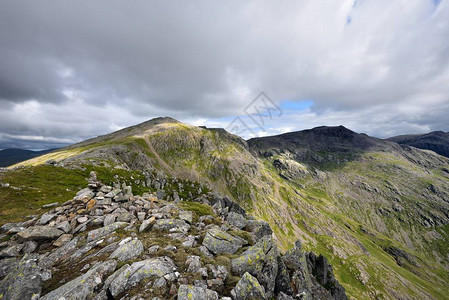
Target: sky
71, 70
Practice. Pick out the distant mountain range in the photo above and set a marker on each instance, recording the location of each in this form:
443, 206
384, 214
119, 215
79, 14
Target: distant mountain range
437, 141
12, 156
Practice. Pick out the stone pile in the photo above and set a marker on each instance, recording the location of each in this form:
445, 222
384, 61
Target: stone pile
106, 243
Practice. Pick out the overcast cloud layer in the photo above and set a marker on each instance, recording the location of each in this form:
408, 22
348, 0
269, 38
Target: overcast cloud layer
70, 70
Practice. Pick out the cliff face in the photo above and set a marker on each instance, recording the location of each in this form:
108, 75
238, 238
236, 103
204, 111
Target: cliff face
376, 209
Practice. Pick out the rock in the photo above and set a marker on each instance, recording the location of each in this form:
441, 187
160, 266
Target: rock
160, 195
146, 224
23, 280
171, 248
54, 204
141, 216
64, 226
11, 251
325, 276
283, 296
153, 249
172, 225
215, 284
6, 265
261, 262
248, 288
60, 254
40, 233
189, 241
84, 195
160, 284
109, 219
82, 220
83, 286
219, 242
45, 218
258, 228
91, 204
190, 292
283, 282
205, 251
128, 251
193, 264
236, 220
132, 275
186, 216
29, 247
218, 271
62, 240
8, 226
101, 232
112, 193
125, 217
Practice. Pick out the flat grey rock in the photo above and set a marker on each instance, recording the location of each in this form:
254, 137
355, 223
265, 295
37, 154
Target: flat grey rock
103, 231
132, 275
40, 233
128, 251
220, 242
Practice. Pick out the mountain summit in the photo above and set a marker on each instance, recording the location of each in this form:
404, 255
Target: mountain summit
378, 210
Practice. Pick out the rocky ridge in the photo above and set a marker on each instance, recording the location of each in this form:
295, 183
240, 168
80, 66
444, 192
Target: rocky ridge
107, 243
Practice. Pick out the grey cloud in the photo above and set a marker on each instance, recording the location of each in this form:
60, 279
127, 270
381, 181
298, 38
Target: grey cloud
94, 66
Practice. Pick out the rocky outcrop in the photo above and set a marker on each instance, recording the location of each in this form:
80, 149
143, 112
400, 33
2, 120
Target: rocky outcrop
100, 246
261, 262
248, 288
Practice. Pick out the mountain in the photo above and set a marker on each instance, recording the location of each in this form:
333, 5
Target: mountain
437, 141
12, 156
378, 210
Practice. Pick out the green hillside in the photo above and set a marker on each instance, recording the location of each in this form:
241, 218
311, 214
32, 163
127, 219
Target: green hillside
377, 210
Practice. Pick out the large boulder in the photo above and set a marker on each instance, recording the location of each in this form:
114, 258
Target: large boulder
129, 276
190, 292
260, 261
103, 231
84, 286
248, 288
23, 281
40, 233
128, 250
220, 242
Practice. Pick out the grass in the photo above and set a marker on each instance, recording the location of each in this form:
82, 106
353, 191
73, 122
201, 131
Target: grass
198, 209
36, 186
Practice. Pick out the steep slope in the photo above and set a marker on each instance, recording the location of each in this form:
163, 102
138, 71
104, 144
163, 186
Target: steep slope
437, 141
375, 208
12, 156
